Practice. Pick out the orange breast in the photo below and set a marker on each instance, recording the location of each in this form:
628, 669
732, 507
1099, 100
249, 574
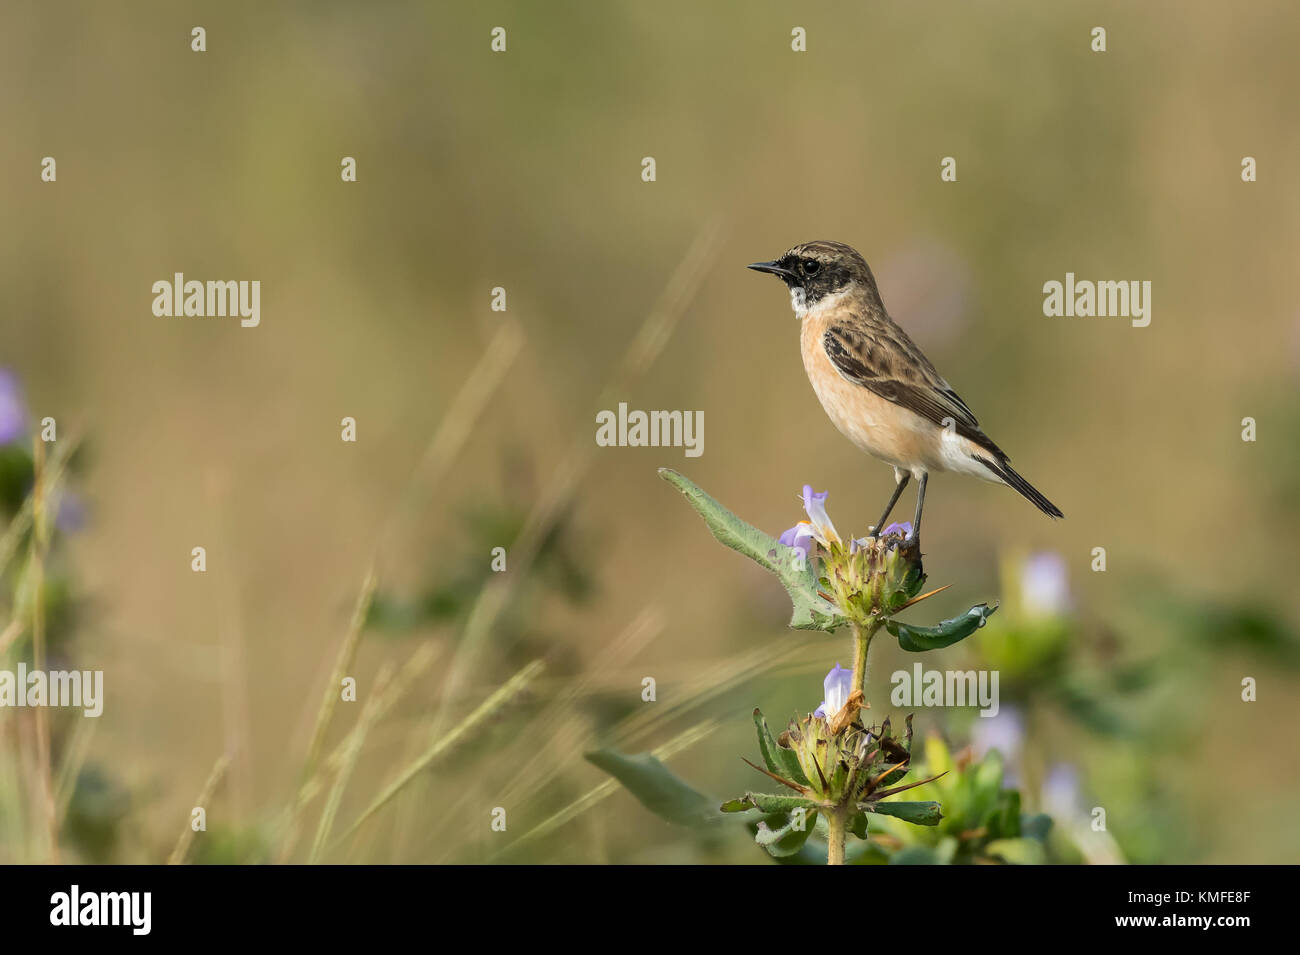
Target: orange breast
875, 425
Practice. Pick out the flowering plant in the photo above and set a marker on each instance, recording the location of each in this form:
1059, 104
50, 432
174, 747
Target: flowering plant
835, 769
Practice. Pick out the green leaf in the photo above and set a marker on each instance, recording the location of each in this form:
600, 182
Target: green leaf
785, 840
1091, 709
938, 758
914, 855
810, 612
1004, 823
767, 803
986, 792
918, 639
1017, 851
917, 813
946, 851
858, 825
1036, 826
1246, 624
895, 752
865, 853
783, 762
657, 788
811, 854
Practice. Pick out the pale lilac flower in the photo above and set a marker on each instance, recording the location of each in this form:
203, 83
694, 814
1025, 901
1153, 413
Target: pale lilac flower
1063, 798
800, 537
1061, 795
13, 414
899, 527
1005, 733
1044, 585
815, 506
838, 685
71, 514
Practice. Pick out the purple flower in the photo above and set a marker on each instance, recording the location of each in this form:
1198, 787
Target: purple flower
903, 528
800, 537
71, 514
815, 506
1005, 733
1044, 585
1061, 795
838, 685
13, 414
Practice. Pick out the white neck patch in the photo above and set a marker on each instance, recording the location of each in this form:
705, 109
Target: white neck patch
799, 302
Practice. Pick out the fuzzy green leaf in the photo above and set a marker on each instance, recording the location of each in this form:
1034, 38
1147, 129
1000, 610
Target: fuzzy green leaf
945, 634
736, 805
917, 813
767, 803
809, 612
657, 788
784, 840
783, 762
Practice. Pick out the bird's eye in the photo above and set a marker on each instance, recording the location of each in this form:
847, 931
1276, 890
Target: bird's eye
811, 266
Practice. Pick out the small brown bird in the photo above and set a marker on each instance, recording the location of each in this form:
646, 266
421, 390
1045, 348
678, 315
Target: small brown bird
877, 387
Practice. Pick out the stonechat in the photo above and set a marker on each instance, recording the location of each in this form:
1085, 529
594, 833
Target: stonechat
879, 390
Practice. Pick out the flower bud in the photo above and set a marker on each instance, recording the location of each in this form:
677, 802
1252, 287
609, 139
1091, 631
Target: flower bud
899, 575
851, 766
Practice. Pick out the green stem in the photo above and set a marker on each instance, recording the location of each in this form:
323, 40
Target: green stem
861, 645
837, 822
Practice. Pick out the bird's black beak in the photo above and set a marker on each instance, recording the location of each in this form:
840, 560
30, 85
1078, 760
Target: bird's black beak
775, 268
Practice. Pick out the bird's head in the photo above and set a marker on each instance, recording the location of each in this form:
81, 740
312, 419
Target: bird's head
814, 270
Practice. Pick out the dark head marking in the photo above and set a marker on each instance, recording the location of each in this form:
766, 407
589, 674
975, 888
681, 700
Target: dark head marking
814, 270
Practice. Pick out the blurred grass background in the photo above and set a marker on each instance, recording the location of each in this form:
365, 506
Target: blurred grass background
522, 170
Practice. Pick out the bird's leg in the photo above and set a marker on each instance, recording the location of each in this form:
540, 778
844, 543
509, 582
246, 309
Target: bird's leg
898, 490
920, 502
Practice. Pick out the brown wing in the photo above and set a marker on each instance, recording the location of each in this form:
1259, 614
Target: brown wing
887, 363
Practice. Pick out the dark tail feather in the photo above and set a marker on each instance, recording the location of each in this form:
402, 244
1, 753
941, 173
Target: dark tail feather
1004, 470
